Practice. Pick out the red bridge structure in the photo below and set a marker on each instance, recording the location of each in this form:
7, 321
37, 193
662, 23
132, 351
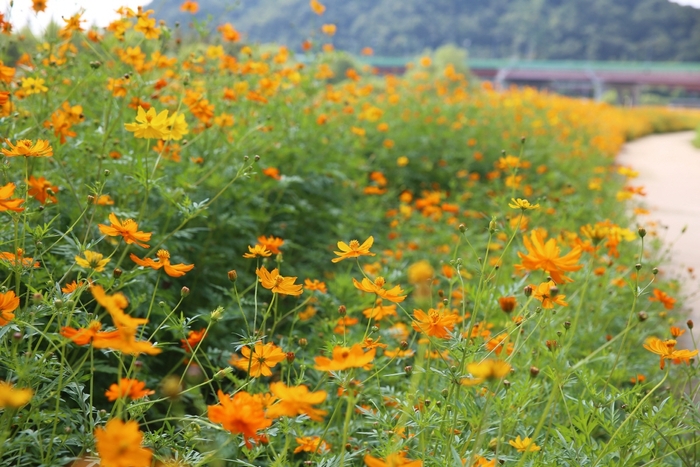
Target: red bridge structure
580, 78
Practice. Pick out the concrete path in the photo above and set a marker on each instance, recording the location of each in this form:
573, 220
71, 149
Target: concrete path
669, 169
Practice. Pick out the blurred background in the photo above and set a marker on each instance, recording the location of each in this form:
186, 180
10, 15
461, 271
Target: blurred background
625, 51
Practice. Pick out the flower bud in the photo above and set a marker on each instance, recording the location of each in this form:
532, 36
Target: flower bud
655, 271
403, 345
567, 325
117, 273
528, 290
642, 232
534, 371
506, 384
232, 275
689, 323
184, 291
642, 316
303, 342
290, 357
342, 311
462, 228
408, 369
638, 266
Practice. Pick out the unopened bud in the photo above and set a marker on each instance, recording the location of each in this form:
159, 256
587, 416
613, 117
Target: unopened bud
528, 290
217, 314
408, 369
303, 342
462, 228
445, 392
655, 271
689, 323
553, 291
95, 64
642, 316
185, 291
492, 226
642, 232
290, 357
117, 273
638, 266
403, 345
37, 298
506, 384
534, 371
232, 275
221, 374
342, 310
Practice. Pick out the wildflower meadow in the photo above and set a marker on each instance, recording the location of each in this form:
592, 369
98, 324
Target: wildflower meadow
219, 253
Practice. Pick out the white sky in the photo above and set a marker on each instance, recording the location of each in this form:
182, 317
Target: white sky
100, 12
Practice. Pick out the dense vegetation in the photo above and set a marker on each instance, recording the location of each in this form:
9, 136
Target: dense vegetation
638, 30
214, 255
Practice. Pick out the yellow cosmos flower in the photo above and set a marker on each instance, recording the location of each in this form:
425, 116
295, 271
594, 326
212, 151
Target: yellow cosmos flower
33, 86
177, 127
11, 397
354, 249
27, 148
149, 125
488, 369
524, 445
522, 204
278, 284
92, 260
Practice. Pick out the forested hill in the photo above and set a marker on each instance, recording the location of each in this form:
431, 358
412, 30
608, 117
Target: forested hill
638, 30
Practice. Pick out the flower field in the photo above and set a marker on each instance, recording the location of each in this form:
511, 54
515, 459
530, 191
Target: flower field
218, 253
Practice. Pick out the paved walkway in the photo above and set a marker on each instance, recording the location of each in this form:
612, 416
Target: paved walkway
669, 169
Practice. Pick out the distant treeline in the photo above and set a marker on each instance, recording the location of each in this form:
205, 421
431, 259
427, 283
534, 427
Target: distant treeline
637, 30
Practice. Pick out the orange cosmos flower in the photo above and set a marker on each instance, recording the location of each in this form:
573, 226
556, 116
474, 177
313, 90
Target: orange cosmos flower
376, 287
272, 172
6, 201
264, 357
524, 445
545, 256
257, 251
370, 343
548, 294
127, 229
435, 323
124, 339
379, 311
85, 336
298, 400
392, 460
173, 270
317, 7
315, 284
311, 444
241, 413
271, 243
190, 7
131, 388
38, 5
664, 298
42, 190
507, 304
354, 249
278, 284
119, 445
8, 303
328, 29
666, 351
19, 259
344, 358
27, 148
11, 397
676, 331
193, 339
486, 370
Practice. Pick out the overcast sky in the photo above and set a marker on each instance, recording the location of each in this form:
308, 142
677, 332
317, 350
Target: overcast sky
100, 12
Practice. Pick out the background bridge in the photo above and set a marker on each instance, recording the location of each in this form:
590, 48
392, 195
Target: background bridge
581, 78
